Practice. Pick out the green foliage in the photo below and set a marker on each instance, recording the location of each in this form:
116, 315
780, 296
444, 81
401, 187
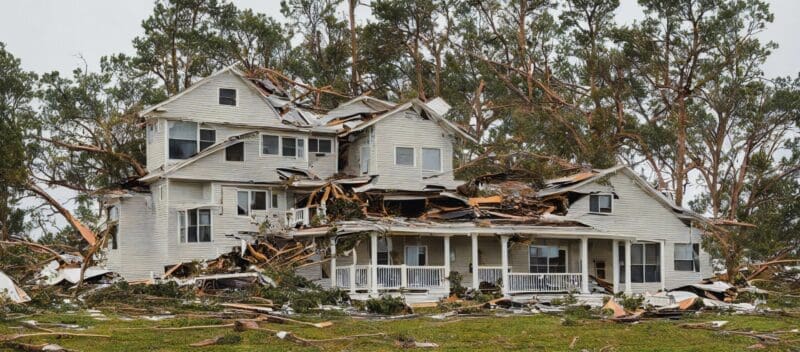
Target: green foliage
342, 209
386, 305
632, 303
298, 292
456, 288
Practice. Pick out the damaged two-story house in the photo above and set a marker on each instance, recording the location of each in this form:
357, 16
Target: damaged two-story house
233, 151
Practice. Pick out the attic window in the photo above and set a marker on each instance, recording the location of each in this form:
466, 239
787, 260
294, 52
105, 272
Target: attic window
600, 203
227, 96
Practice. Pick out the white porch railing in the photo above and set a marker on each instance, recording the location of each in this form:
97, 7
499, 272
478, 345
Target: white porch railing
552, 282
491, 274
297, 216
391, 276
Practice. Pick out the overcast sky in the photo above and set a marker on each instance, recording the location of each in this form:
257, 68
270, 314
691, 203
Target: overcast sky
52, 35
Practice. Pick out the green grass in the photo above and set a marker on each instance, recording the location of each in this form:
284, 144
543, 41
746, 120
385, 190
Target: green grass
486, 333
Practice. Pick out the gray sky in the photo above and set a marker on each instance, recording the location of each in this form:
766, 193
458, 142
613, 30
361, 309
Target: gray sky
52, 35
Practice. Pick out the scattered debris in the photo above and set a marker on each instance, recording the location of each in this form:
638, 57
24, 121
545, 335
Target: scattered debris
11, 291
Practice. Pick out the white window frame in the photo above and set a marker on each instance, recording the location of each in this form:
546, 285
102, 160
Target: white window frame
274, 200
610, 196
199, 140
405, 253
186, 229
413, 156
644, 262
219, 91
244, 153
268, 200
364, 167
422, 158
296, 147
308, 145
196, 140
280, 145
115, 222
566, 256
695, 261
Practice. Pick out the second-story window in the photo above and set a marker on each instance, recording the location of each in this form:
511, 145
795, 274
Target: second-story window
247, 201
319, 145
235, 152
294, 147
182, 139
404, 156
227, 96
207, 138
600, 203
270, 144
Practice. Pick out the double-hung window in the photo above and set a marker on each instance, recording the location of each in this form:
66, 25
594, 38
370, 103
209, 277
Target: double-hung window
194, 225
600, 203
687, 257
547, 259
431, 159
182, 139
645, 262
320, 145
270, 145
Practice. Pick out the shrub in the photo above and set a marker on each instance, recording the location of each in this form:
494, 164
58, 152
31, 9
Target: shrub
386, 305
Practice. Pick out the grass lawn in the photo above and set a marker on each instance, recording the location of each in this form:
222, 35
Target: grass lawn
487, 333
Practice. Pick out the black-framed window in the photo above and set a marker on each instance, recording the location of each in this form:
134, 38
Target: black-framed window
258, 200
227, 96
182, 139
198, 227
270, 144
687, 257
547, 259
600, 203
235, 152
320, 145
645, 262
207, 138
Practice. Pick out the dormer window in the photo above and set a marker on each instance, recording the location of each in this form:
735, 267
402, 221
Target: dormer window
227, 96
600, 203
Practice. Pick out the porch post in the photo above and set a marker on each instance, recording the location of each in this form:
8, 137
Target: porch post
353, 272
333, 262
374, 262
663, 265
615, 265
504, 263
584, 265
475, 282
628, 289
446, 240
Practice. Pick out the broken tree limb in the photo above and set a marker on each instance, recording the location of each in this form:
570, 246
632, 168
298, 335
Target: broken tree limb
85, 232
277, 319
39, 334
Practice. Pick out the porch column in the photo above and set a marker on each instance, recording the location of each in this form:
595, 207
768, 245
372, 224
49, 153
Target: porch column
353, 272
333, 262
475, 282
504, 264
628, 289
584, 265
615, 265
446, 257
373, 269
663, 265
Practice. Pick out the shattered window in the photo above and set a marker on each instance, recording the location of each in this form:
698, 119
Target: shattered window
432, 159
404, 156
227, 96
687, 257
270, 144
600, 203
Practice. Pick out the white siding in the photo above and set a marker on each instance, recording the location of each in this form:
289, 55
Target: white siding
135, 257
637, 213
408, 129
155, 144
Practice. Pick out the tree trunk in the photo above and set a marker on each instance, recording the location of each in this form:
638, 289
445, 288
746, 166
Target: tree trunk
680, 154
85, 232
355, 79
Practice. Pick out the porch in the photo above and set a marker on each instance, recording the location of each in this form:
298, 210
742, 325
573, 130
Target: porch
517, 264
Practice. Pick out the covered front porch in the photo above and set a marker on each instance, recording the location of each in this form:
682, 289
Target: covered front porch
517, 263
